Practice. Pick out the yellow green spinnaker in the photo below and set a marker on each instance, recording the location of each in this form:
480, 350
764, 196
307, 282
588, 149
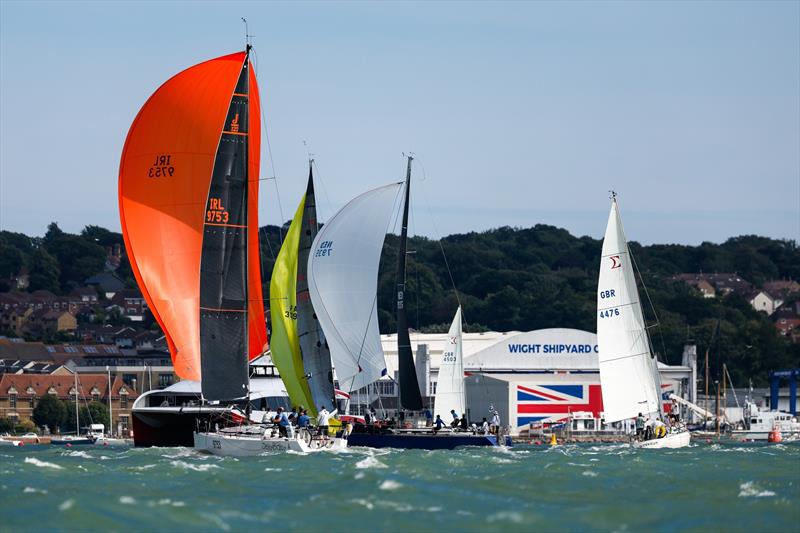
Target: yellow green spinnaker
284, 342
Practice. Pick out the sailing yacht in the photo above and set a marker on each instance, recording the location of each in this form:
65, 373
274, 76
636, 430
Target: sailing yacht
343, 279
628, 368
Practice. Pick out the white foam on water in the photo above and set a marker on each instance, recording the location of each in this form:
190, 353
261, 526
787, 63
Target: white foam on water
268, 469
589, 473
79, 453
506, 516
366, 503
750, 490
31, 490
369, 462
390, 484
41, 464
144, 467
359, 475
433, 509
66, 505
218, 521
502, 461
127, 500
179, 504
189, 466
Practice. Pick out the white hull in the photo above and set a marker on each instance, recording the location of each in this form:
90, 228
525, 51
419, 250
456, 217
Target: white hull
672, 440
4, 442
232, 445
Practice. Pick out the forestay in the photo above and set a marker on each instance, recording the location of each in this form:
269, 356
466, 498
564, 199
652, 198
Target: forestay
627, 370
343, 283
450, 384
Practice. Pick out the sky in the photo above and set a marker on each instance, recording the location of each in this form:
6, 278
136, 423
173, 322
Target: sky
518, 113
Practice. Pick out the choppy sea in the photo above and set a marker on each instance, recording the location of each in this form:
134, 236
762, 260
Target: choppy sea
707, 487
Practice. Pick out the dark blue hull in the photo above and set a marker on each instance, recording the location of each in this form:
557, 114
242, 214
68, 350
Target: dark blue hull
425, 441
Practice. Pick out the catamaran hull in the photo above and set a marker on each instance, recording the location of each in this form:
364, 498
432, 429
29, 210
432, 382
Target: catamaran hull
672, 440
248, 446
423, 442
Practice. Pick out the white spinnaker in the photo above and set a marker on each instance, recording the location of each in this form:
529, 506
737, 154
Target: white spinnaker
450, 384
343, 283
627, 376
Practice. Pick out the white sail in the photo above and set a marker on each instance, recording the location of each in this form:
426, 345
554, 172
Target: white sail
343, 283
450, 384
627, 371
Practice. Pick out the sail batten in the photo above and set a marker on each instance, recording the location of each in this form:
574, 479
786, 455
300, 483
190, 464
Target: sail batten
628, 371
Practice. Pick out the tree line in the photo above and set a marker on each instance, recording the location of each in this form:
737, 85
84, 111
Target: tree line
514, 279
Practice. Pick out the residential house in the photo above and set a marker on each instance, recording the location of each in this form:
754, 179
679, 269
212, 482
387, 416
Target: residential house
19, 395
107, 283
763, 301
719, 283
45, 322
130, 303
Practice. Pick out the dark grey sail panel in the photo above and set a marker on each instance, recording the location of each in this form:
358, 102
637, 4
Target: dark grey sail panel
223, 263
313, 347
410, 396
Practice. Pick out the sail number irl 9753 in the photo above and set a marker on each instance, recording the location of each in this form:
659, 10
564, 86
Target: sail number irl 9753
161, 167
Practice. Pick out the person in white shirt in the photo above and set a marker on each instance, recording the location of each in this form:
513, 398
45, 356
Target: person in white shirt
495, 422
322, 420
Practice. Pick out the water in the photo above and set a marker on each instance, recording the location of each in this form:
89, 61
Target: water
574, 487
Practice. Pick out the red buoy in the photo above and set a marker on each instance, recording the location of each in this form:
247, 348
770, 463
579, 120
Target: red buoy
775, 434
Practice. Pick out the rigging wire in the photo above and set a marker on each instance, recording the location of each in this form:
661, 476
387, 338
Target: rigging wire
439, 239
274, 176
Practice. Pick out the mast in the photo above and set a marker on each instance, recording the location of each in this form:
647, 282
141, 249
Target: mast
77, 419
110, 412
410, 397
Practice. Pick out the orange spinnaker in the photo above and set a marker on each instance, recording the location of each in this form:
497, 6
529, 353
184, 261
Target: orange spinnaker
164, 178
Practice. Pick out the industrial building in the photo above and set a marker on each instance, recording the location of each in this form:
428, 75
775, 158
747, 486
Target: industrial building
529, 378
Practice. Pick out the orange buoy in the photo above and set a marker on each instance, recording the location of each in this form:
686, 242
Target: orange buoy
538, 443
775, 434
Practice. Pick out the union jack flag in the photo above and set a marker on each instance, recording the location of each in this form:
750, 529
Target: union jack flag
552, 403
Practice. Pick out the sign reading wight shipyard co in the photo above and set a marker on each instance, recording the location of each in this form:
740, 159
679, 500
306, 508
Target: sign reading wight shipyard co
542, 349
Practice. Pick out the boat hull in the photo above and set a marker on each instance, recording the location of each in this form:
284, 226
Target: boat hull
672, 440
248, 445
71, 442
168, 426
425, 441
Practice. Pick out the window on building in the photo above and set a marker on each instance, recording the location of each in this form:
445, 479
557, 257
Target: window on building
433, 387
123, 422
386, 388
164, 380
123, 400
95, 396
31, 401
90, 349
70, 349
12, 400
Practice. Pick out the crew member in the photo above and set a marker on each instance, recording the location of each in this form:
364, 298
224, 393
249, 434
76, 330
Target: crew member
439, 424
639, 426
322, 420
454, 423
282, 421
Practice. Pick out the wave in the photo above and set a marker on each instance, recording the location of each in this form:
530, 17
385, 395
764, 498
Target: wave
751, 490
42, 464
189, 466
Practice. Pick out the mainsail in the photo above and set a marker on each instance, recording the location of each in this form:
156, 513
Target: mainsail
450, 383
188, 193
298, 347
628, 371
343, 283
410, 396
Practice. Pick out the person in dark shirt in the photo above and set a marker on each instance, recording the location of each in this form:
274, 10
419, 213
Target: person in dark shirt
282, 421
439, 424
303, 420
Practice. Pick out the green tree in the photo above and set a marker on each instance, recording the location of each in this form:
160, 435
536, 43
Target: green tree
6, 425
50, 412
43, 271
